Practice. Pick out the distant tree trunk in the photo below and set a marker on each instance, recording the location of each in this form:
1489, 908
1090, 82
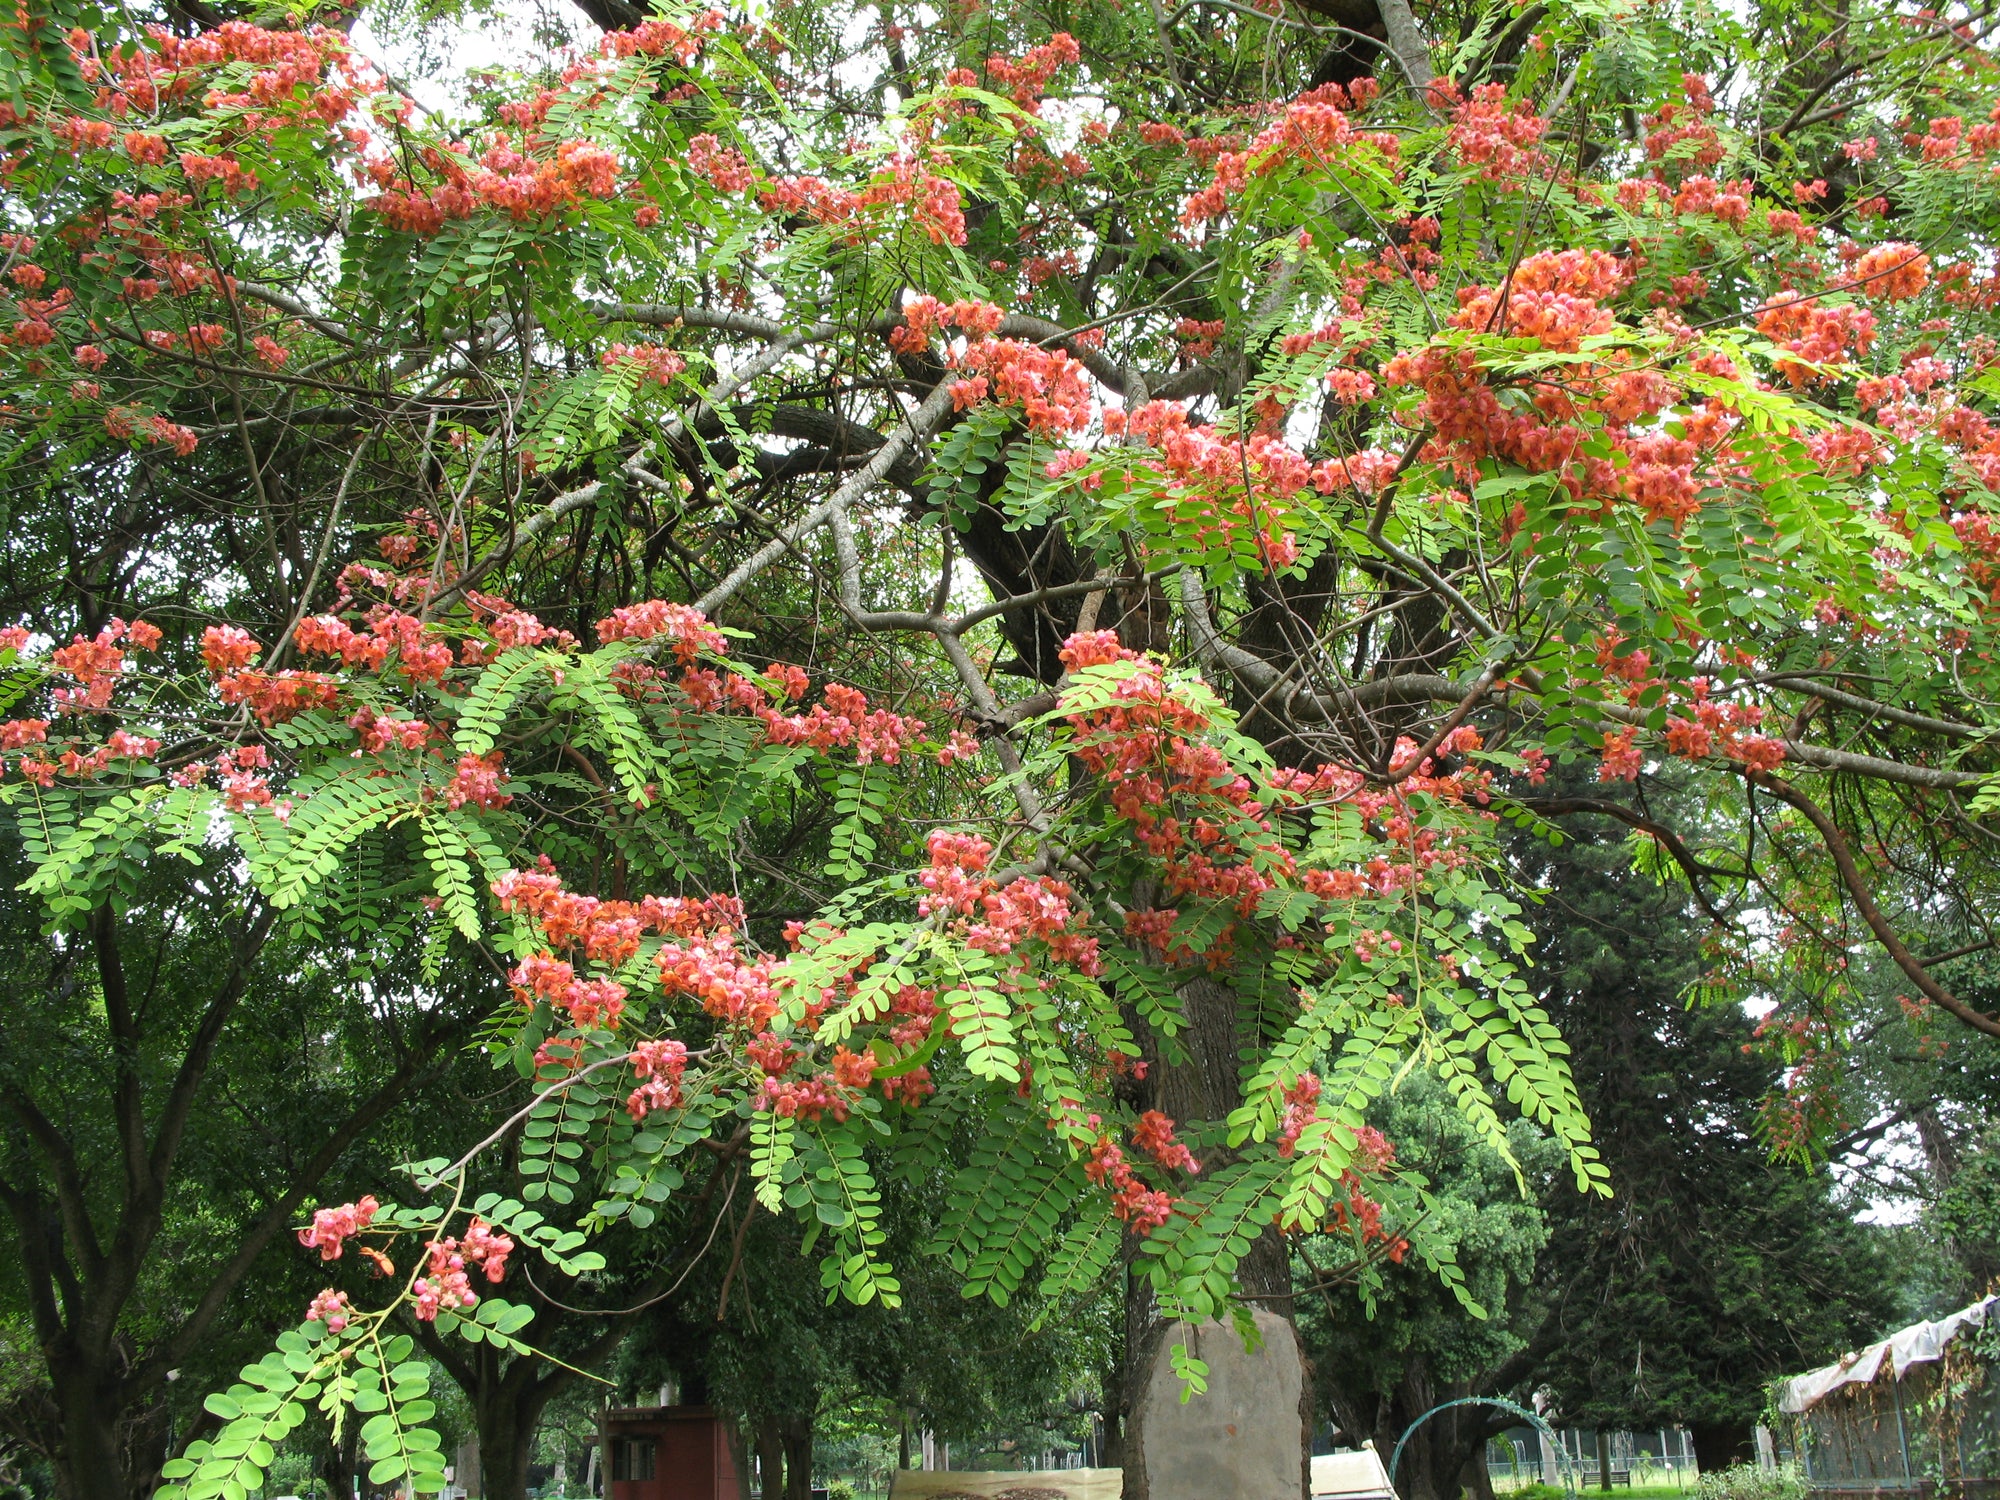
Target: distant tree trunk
1111, 1452
1717, 1445
1604, 1460
738, 1436
337, 1462
770, 1459
798, 1439
903, 1443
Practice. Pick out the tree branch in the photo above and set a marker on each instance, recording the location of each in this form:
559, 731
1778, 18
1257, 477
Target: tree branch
1864, 903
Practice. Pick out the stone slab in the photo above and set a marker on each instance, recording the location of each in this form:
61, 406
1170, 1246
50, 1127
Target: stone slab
1242, 1439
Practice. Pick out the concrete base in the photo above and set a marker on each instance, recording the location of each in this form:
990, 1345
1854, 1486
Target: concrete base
1245, 1438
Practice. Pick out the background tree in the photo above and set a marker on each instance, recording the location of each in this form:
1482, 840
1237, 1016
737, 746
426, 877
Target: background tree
1712, 1268
1382, 1365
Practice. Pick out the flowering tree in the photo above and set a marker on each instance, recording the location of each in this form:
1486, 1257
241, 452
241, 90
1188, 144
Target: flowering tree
1320, 461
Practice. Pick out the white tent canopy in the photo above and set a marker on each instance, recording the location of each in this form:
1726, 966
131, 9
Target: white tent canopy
1915, 1345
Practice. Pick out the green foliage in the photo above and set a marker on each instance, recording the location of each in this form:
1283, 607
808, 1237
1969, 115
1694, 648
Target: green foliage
1753, 1482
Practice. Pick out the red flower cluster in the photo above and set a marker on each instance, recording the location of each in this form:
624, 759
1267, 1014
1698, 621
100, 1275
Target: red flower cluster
95, 664
1821, 335
661, 38
1028, 75
1725, 728
1144, 1209
1029, 909
932, 201
1154, 1135
527, 184
924, 316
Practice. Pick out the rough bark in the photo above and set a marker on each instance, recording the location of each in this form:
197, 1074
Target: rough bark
506, 1442
798, 1440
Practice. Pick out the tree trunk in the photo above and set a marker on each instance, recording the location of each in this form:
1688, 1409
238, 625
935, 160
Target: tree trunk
770, 1459
1473, 1478
1260, 1406
89, 1463
738, 1434
1604, 1460
337, 1461
1717, 1445
798, 1438
506, 1443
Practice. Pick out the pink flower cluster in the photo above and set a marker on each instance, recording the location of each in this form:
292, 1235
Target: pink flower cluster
477, 781
332, 1227
329, 1307
587, 1004
658, 1067
1301, 1109
923, 317
447, 1285
420, 657
1222, 490
844, 719
95, 664
1500, 138
722, 165
684, 626
655, 364
1309, 132
380, 733
1052, 389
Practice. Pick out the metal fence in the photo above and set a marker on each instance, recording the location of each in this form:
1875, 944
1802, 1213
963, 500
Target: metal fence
1644, 1460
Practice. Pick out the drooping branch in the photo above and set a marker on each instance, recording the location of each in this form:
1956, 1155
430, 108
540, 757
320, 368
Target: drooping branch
1677, 849
1864, 903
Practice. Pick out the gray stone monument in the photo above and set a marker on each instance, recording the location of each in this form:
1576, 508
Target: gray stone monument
1246, 1438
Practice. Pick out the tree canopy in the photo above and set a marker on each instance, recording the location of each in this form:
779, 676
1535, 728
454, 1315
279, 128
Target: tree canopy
963, 595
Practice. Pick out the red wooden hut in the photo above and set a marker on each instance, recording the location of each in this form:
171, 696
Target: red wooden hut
668, 1453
